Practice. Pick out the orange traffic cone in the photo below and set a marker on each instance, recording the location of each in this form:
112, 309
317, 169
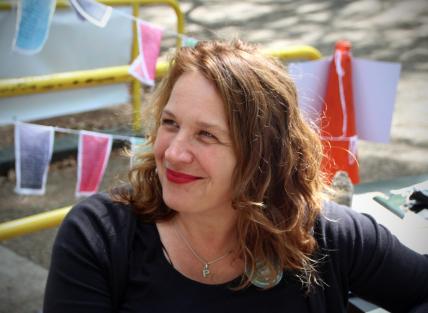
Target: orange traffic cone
338, 128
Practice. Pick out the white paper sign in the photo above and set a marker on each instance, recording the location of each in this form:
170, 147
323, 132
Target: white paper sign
374, 88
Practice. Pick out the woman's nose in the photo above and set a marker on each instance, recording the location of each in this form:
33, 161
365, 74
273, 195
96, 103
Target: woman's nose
178, 151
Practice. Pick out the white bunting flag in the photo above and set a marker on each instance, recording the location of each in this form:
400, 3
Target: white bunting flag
33, 153
93, 11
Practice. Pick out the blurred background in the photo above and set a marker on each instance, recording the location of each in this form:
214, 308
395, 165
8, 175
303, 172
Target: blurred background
388, 30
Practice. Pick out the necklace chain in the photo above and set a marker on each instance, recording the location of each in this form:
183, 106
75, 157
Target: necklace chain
205, 264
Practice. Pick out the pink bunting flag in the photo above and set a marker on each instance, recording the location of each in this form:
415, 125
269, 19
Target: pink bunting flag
149, 41
93, 154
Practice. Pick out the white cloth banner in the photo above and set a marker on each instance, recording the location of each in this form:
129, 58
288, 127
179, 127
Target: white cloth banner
33, 153
94, 12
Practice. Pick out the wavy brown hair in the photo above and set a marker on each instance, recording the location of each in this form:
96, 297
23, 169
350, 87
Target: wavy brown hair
277, 181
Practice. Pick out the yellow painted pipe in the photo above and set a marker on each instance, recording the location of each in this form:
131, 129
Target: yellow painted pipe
70, 80
136, 88
32, 223
303, 52
114, 75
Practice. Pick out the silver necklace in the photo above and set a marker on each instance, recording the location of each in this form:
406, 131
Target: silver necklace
205, 264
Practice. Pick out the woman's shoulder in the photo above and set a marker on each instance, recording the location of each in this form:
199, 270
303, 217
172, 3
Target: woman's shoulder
338, 226
337, 217
100, 217
101, 206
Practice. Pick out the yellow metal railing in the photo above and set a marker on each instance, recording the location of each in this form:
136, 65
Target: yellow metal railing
136, 88
114, 75
70, 80
32, 223
303, 52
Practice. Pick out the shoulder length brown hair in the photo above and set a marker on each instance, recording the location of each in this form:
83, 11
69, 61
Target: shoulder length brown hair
277, 181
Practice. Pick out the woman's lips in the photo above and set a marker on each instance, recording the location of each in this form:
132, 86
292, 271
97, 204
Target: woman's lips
180, 178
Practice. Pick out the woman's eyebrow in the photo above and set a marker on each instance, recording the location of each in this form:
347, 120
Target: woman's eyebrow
211, 126
167, 112
201, 124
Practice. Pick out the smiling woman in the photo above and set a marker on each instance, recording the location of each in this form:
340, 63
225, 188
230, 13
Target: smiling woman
194, 157
226, 212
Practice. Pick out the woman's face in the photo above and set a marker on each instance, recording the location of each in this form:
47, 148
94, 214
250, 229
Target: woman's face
193, 149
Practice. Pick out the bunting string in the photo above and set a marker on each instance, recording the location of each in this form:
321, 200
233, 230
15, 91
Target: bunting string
77, 132
34, 21
34, 148
14, 4
137, 19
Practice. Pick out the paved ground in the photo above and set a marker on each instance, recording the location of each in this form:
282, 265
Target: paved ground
394, 31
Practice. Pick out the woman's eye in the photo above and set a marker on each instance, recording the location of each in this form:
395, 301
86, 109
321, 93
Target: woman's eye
168, 122
207, 135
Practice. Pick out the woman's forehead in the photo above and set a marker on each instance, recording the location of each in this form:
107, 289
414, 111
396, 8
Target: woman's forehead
195, 96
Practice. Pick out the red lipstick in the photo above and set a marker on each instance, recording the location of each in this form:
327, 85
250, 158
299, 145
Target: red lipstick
179, 178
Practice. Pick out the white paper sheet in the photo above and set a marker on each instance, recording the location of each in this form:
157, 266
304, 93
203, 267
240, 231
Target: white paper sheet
310, 78
374, 88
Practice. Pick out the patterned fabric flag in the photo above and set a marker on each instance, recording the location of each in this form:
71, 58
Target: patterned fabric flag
188, 41
137, 146
149, 42
92, 11
93, 154
33, 153
33, 23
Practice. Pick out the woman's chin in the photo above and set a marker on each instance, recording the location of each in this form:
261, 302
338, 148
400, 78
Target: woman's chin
176, 203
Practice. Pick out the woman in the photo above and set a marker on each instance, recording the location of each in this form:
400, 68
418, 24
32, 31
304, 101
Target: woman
225, 214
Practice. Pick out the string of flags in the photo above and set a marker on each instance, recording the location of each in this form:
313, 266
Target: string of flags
33, 154
34, 18
345, 115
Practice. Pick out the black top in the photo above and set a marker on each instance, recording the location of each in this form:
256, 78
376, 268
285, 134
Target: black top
105, 257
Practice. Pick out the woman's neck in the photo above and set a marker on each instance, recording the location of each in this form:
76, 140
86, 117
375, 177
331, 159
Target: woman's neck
208, 234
